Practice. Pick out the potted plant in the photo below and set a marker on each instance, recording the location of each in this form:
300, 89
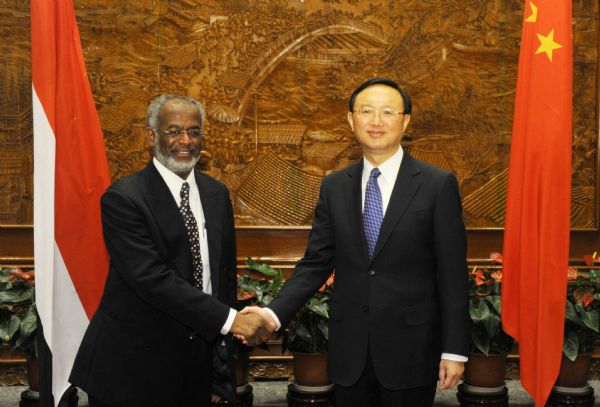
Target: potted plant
581, 324
258, 287
307, 337
490, 344
18, 323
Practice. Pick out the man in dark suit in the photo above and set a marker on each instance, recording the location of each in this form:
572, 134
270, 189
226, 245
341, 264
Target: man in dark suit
391, 227
168, 303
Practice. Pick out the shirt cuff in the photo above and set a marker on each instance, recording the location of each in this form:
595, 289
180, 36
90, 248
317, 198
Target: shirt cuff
277, 322
229, 321
454, 357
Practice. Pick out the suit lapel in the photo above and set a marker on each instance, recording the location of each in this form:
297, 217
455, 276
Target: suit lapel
169, 220
213, 213
353, 198
404, 190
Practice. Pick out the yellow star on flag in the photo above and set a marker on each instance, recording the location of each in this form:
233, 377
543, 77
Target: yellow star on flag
547, 44
533, 17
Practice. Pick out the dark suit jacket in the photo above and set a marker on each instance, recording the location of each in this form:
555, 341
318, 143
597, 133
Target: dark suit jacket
135, 344
407, 304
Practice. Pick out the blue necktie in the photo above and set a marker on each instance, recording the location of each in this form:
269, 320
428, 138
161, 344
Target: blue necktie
373, 211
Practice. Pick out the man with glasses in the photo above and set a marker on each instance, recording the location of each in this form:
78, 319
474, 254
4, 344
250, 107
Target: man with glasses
168, 303
391, 227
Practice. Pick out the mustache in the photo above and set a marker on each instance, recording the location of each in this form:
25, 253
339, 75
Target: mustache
193, 150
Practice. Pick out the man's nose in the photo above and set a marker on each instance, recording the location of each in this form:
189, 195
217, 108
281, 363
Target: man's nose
377, 118
185, 138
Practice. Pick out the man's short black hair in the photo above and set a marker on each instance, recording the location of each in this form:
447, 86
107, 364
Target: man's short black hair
386, 82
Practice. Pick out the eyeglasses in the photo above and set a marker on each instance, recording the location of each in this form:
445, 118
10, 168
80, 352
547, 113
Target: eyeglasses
194, 133
387, 115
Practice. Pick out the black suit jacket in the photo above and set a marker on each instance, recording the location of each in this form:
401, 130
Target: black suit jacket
135, 344
407, 304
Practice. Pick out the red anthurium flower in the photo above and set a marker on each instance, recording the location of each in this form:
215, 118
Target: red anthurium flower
584, 295
480, 278
588, 298
496, 257
26, 276
590, 260
328, 283
497, 275
571, 274
244, 295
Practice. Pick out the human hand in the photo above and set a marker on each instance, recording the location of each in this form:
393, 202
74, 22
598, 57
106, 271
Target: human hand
450, 373
252, 326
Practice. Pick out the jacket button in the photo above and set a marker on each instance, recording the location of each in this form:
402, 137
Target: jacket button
371, 272
366, 308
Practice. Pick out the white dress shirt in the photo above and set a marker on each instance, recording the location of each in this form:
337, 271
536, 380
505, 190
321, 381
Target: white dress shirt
174, 182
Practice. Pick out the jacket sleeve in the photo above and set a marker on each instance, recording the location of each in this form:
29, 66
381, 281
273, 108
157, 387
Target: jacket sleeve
313, 270
229, 250
450, 248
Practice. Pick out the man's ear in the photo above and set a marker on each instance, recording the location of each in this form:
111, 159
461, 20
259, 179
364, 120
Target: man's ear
151, 136
406, 120
351, 120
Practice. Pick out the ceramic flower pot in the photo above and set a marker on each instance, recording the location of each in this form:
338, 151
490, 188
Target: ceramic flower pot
310, 369
574, 374
485, 371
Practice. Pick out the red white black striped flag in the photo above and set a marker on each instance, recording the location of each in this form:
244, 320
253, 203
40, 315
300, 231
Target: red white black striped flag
70, 174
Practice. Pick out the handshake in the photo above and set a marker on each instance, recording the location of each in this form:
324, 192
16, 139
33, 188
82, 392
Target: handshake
253, 325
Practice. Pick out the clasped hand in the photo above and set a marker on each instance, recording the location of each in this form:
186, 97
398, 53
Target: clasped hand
252, 326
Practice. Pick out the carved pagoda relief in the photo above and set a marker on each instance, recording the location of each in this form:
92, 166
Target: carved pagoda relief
275, 77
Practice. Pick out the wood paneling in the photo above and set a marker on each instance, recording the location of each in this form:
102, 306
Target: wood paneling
282, 247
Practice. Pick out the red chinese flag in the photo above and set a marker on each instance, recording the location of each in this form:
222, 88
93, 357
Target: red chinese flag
536, 234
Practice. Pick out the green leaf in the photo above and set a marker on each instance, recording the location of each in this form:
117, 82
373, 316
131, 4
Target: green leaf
479, 312
589, 317
571, 346
247, 284
481, 341
324, 328
9, 327
571, 314
302, 332
495, 302
318, 307
29, 322
6, 279
266, 300
276, 284
262, 268
491, 325
16, 295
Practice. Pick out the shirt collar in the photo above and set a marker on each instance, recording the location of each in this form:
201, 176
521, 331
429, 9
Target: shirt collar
174, 181
389, 168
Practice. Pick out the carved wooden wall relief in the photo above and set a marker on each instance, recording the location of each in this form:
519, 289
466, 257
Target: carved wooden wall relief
275, 77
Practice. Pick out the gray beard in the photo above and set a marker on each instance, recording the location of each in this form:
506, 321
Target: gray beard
172, 164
